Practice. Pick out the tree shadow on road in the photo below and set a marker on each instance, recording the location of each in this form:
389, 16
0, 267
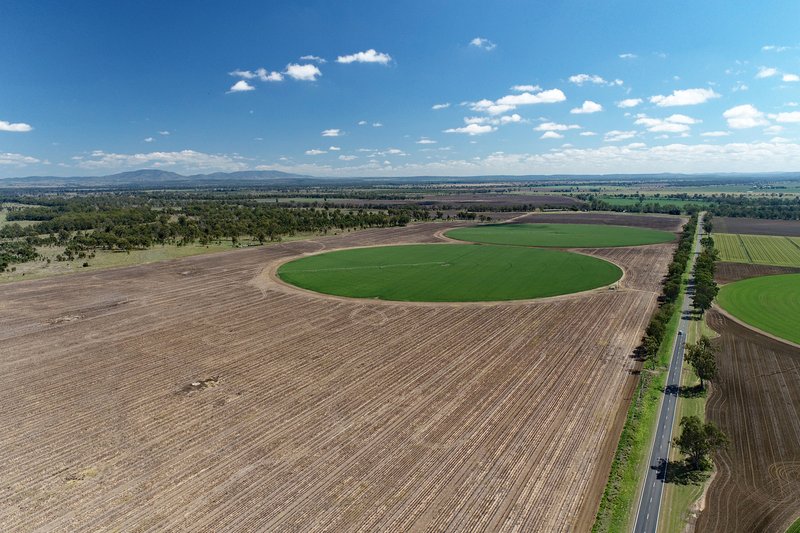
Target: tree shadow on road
681, 473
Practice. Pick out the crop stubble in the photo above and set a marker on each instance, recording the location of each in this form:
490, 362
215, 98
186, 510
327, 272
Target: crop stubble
196, 394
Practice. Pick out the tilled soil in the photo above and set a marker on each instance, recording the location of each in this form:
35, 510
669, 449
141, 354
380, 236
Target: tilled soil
199, 394
756, 402
757, 226
730, 272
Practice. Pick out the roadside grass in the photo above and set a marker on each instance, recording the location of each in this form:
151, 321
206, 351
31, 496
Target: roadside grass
770, 303
561, 235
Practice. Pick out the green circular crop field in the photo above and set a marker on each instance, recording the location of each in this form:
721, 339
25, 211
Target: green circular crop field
449, 273
561, 235
770, 303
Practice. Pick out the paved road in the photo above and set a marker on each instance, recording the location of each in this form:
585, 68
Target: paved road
650, 502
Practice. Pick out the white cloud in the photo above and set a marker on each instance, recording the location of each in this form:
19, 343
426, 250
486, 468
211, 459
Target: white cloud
425, 140
617, 135
774, 48
240, 87
549, 96
182, 161
347, 157
508, 119
315, 151
684, 97
246, 74
377, 125
307, 72
587, 107
580, 79
672, 124
362, 122
149, 140
526, 88
480, 42
313, 58
715, 134
334, 148
551, 135
744, 116
682, 119
15, 127
163, 132
265, 75
441, 106
333, 132
472, 129
370, 56
587, 134
17, 160
791, 116
552, 126
629, 102
488, 106
791, 78
766, 72
772, 130
628, 55
740, 87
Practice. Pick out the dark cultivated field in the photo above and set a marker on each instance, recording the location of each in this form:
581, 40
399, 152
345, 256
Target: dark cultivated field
757, 226
461, 200
730, 272
660, 222
756, 401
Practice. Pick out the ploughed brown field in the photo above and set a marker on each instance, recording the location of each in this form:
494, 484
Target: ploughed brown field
756, 402
756, 226
730, 272
202, 394
463, 200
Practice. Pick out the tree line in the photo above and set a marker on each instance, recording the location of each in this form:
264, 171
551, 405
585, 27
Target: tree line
705, 288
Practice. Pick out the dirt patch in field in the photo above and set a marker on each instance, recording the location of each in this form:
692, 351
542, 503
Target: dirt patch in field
730, 272
660, 222
757, 226
328, 415
756, 402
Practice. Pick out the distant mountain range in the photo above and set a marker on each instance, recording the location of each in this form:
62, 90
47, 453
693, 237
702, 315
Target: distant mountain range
147, 178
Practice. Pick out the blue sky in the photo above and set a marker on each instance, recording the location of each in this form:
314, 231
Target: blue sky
399, 88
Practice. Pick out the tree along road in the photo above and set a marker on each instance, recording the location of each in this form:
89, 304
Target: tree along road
650, 501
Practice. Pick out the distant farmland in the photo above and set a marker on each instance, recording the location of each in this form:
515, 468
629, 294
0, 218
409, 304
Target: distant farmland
758, 249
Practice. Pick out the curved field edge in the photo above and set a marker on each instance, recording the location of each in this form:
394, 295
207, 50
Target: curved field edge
557, 235
795, 527
449, 273
769, 303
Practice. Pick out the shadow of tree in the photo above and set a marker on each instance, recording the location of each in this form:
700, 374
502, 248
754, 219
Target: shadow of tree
681, 473
695, 391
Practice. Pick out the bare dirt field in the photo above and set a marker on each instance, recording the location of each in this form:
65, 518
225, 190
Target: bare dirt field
757, 226
464, 200
198, 394
730, 272
661, 222
756, 401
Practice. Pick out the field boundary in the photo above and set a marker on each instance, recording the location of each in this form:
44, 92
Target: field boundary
718, 308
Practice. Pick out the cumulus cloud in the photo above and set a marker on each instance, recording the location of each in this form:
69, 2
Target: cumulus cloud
246, 74
774, 48
766, 72
17, 160
472, 129
551, 135
715, 134
315, 151
440, 106
617, 135
549, 96
672, 124
744, 116
15, 127
241, 86
307, 72
347, 157
362, 122
587, 107
313, 58
483, 43
526, 88
587, 134
370, 56
265, 75
684, 97
425, 140
163, 132
580, 79
628, 55
149, 140
791, 116
377, 125
629, 102
791, 78
333, 132
334, 148
184, 160
488, 106
553, 126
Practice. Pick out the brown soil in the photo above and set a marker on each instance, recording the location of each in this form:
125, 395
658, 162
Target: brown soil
200, 399
661, 222
730, 272
463, 200
757, 226
756, 402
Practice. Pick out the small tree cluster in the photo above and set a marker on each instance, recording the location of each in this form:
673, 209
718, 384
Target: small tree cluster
702, 357
697, 440
705, 287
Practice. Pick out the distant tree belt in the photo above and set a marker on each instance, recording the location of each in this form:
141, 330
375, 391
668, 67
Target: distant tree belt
16, 252
722, 205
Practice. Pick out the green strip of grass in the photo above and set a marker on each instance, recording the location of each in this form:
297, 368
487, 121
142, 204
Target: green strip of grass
561, 235
770, 303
